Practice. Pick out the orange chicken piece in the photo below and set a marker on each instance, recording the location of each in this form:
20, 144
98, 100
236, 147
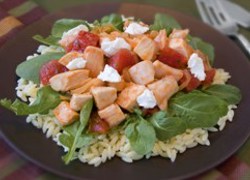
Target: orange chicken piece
127, 98
78, 100
95, 60
104, 96
142, 72
112, 114
163, 89
69, 57
87, 86
69, 80
146, 49
64, 114
179, 33
161, 39
180, 46
161, 70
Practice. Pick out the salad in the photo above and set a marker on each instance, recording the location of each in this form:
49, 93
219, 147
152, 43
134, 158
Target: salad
121, 87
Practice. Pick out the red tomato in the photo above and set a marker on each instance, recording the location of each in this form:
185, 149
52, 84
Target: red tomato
122, 59
50, 69
173, 58
98, 125
148, 112
83, 40
209, 77
193, 84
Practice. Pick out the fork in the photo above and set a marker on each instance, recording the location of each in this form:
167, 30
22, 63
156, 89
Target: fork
212, 14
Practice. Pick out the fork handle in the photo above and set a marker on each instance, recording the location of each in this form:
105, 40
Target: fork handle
244, 42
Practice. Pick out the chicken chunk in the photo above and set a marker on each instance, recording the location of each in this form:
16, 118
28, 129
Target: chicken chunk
64, 114
179, 33
87, 86
142, 72
161, 39
69, 57
112, 114
119, 86
161, 70
78, 100
180, 46
163, 89
127, 98
104, 96
69, 80
146, 49
95, 60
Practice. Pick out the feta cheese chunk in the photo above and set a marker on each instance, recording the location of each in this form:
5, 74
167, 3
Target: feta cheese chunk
77, 63
111, 47
109, 74
195, 63
71, 34
136, 29
147, 99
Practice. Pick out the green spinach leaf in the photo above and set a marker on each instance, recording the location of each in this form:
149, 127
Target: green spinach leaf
75, 133
164, 21
166, 126
203, 46
46, 99
29, 70
114, 19
141, 135
50, 40
63, 25
198, 109
228, 93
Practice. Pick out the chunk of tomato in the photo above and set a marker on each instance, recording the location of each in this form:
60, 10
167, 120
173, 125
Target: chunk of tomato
209, 77
173, 58
122, 59
98, 125
194, 83
50, 69
83, 40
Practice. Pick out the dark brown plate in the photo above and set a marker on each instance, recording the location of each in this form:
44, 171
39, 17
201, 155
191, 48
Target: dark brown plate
33, 145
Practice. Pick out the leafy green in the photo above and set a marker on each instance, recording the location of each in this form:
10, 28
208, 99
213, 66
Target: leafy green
164, 21
228, 93
29, 70
114, 19
203, 46
198, 109
46, 99
75, 137
50, 40
141, 135
166, 126
63, 25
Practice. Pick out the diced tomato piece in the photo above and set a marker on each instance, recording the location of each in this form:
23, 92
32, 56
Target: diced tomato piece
98, 125
49, 69
209, 77
83, 40
173, 58
193, 84
184, 81
149, 112
122, 59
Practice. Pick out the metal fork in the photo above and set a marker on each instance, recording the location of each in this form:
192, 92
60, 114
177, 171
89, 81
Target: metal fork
212, 14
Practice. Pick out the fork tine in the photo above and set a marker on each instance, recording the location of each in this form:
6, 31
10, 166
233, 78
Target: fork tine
209, 12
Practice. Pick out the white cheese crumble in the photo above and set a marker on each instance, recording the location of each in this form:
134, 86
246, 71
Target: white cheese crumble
195, 63
77, 63
136, 29
71, 34
111, 47
146, 99
109, 74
